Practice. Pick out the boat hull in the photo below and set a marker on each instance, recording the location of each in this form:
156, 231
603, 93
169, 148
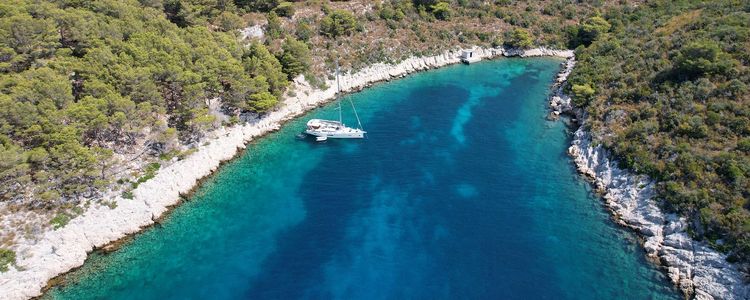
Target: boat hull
337, 135
333, 130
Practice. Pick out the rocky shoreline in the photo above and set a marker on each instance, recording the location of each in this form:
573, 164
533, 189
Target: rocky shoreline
693, 266
698, 270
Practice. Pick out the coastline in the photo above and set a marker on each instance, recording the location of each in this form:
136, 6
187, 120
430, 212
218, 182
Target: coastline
60, 251
692, 266
699, 271
695, 268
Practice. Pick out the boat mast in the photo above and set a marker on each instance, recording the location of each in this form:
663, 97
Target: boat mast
338, 90
355, 114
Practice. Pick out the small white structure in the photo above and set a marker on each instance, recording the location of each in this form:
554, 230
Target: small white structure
468, 56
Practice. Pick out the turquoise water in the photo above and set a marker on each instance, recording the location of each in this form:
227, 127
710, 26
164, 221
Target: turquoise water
462, 190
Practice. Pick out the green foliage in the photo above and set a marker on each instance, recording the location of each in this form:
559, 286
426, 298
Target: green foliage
285, 9
582, 93
701, 58
497, 42
441, 10
127, 195
228, 21
29, 39
296, 58
7, 258
274, 29
338, 23
258, 5
389, 12
262, 102
261, 64
519, 38
81, 83
60, 220
149, 172
744, 145
303, 31
591, 29
425, 3
666, 101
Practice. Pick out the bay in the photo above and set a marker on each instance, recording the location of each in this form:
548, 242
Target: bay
462, 189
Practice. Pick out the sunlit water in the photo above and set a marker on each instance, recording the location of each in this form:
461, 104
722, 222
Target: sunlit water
462, 190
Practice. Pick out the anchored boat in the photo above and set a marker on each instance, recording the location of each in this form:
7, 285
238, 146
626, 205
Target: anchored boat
331, 129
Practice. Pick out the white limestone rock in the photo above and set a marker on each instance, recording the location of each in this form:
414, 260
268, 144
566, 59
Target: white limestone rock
252, 32
693, 266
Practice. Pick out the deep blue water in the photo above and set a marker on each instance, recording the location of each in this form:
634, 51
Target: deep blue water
462, 190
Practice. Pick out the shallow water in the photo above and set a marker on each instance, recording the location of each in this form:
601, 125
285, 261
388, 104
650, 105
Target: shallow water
462, 190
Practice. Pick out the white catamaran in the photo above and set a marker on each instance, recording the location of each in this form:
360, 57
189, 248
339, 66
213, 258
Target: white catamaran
330, 129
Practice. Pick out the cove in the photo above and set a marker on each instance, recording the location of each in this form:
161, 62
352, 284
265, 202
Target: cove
462, 190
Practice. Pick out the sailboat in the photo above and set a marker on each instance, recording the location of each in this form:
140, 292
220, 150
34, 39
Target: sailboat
330, 129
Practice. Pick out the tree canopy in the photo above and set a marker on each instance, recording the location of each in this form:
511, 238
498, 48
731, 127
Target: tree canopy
296, 58
83, 80
338, 23
519, 38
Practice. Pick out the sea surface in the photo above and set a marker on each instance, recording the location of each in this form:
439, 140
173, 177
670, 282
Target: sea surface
462, 190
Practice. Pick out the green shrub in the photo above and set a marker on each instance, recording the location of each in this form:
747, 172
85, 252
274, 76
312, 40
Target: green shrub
285, 9
296, 58
7, 258
60, 220
591, 29
149, 172
338, 23
303, 31
441, 10
582, 93
262, 102
273, 28
744, 145
519, 38
228, 21
700, 58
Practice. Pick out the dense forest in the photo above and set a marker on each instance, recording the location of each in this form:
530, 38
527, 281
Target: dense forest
96, 95
81, 79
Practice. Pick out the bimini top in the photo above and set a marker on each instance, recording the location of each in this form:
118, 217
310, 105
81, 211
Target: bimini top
320, 124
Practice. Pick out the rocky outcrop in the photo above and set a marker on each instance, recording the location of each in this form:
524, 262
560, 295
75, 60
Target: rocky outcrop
64, 249
692, 266
560, 102
252, 32
541, 51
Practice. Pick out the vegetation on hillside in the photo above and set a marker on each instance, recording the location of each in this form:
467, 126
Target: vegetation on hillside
666, 89
82, 79
89, 86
